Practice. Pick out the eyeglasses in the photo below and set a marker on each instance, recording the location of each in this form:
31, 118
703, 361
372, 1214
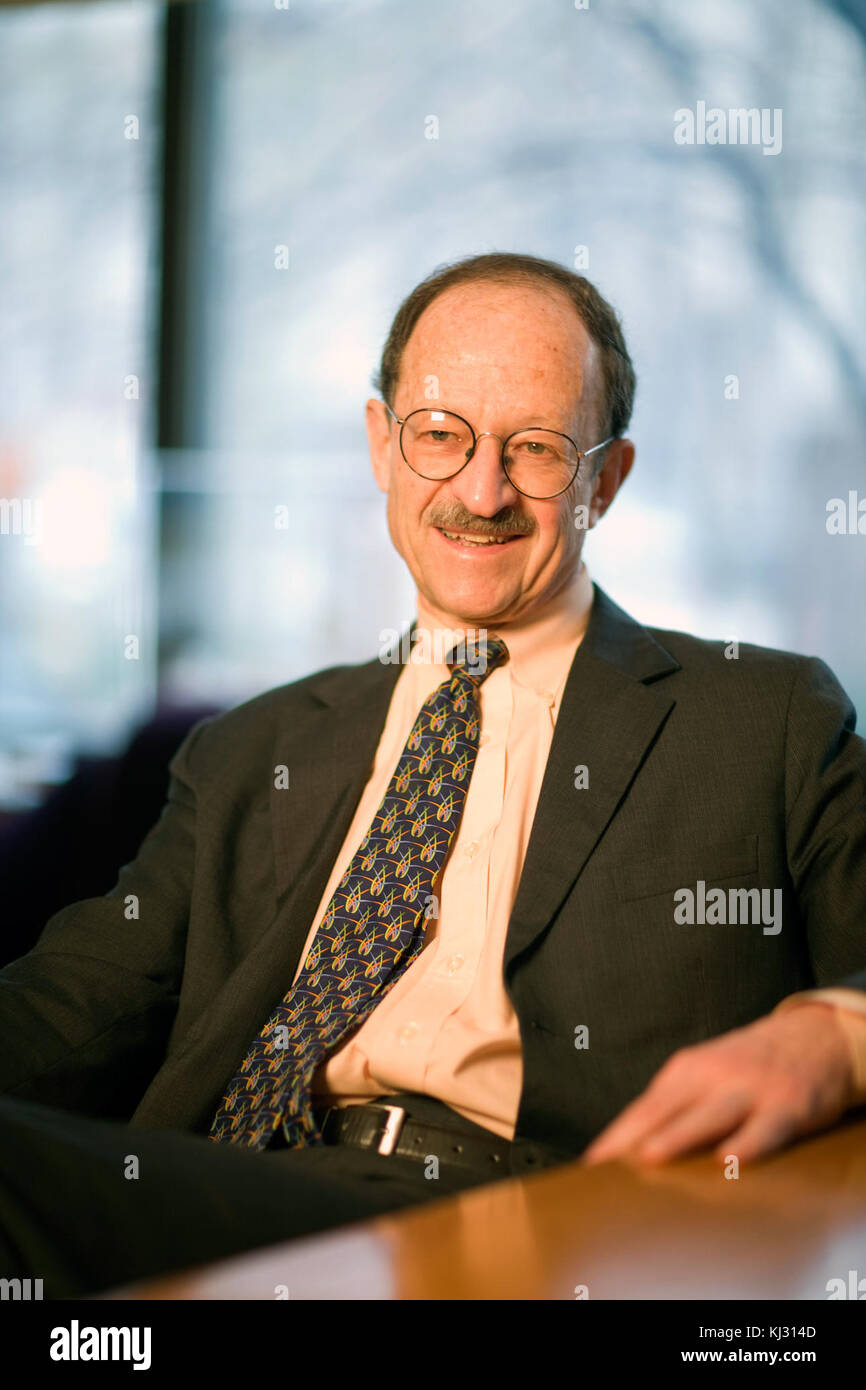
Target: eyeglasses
539, 463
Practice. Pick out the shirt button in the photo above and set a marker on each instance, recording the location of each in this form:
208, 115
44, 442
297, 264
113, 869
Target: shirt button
454, 964
471, 849
408, 1032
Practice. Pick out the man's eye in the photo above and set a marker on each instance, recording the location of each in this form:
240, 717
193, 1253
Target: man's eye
438, 436
534, 449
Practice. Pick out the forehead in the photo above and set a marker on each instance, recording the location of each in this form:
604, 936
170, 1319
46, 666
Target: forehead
525, 342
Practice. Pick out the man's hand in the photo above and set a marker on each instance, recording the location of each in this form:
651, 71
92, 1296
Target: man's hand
754, 1089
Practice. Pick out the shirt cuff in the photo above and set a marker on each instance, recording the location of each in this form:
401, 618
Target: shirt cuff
850, 1006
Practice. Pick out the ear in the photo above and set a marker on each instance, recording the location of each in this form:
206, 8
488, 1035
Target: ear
619, 457
379, 440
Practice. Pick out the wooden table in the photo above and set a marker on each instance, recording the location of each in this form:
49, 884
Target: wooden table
682, 1230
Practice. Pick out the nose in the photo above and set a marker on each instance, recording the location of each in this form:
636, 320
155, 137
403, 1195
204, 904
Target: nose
485, 434
482, 485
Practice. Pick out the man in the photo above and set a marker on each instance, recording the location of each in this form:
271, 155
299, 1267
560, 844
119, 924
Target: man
563, 886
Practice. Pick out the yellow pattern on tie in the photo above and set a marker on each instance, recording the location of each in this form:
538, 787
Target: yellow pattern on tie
374, 925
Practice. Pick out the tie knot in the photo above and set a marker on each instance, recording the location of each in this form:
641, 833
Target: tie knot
477, 657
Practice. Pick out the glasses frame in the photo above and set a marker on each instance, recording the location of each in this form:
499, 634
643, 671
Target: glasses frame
425, 409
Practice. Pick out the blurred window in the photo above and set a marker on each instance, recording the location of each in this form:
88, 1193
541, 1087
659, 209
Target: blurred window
80, 136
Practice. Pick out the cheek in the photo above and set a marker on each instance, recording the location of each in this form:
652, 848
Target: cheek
395, 524
406, 512
575, 516
554, 528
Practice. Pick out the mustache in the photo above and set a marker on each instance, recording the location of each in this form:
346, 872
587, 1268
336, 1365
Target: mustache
506, 524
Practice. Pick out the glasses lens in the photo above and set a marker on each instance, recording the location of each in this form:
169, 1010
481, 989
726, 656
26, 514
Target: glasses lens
435, 443
540, 463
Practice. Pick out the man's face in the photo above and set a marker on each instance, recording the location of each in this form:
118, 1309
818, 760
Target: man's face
504, 357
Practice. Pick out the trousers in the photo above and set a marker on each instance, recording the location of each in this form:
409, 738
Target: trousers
88, 1205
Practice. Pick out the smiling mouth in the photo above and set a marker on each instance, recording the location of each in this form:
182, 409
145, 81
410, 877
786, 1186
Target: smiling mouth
466, 538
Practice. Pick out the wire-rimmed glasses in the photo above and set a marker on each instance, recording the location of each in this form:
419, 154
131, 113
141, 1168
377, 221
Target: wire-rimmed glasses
539, 463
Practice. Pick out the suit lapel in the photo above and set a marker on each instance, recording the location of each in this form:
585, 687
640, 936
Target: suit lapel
329, 754
328, 749
609, 715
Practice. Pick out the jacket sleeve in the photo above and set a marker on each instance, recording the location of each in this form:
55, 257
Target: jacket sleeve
85, 1015
825, 795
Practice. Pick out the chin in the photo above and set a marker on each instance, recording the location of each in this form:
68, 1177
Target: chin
472, 612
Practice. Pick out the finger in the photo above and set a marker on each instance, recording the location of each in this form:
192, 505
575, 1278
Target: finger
634, 1124
665, 1097
696, 1127
762, 1134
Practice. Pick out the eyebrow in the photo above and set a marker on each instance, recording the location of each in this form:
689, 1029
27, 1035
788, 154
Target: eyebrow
450, 410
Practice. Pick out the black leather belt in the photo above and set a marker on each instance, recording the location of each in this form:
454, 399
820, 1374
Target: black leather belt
389, 1129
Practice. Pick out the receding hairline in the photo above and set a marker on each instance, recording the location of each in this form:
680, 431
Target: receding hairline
611, 391
591, 399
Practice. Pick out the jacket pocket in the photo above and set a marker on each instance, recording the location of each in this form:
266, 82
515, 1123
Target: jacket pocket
652, 875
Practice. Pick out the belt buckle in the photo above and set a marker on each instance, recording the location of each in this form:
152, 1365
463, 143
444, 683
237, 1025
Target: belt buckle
393, 1126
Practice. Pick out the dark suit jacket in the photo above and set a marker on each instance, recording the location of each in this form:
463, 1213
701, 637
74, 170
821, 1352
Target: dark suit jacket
743, 773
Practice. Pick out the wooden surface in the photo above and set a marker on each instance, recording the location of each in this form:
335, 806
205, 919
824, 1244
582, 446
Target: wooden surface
678, 1231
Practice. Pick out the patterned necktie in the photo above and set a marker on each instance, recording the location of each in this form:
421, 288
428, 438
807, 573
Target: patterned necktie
375, 923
